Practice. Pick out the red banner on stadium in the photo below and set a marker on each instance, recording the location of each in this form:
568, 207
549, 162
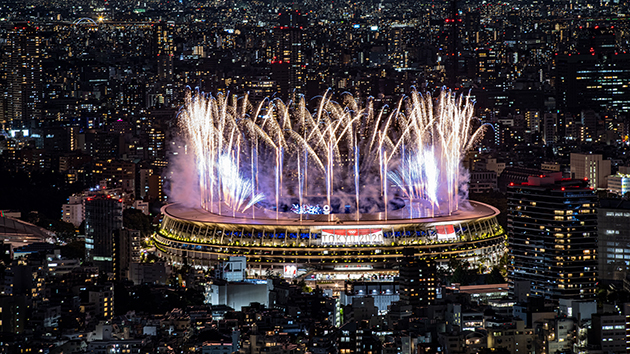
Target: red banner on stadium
445, 232
351, 232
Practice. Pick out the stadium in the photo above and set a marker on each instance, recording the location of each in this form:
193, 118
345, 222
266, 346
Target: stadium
198, 237
341, 189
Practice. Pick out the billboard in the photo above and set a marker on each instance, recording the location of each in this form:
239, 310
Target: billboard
352, 236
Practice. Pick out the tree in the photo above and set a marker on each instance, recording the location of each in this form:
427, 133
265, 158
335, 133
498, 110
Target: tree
305, 288
481, 265
63, 230
136, 220
73, 250
503, 263
495, 277
459, 276
464, 276
151, 258
454, 263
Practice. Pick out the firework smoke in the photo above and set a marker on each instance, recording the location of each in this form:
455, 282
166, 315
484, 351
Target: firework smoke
345, 157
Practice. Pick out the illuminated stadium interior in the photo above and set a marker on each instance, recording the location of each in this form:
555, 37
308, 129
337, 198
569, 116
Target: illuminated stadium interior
198, 237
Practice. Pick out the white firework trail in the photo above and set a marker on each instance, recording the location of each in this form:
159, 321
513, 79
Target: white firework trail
418, 145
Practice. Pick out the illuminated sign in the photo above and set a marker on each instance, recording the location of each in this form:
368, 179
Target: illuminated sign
290, 271
18, 132
352, 236
310, 209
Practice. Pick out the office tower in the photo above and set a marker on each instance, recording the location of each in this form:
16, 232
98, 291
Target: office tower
260, 87
103, 216
472, 26
287, 63
608, 332
590, 78
453, 23
24, 79
613, 220
592, 167
163, 49
417, 280
101, 145
552, 237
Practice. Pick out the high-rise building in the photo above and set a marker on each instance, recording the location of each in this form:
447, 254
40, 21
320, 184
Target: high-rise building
156, 188
74, 211
589, 120
287, 62
143, 182
103, 216
25, 94
117, 174
126, 251
487, 65
163, 49
260, 87
156, 146
24, 280
451, 27
594, 75
552, 237
417, 280
613, 221
590, 80
592, 167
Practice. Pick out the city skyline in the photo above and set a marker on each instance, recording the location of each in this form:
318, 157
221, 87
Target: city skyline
324, 207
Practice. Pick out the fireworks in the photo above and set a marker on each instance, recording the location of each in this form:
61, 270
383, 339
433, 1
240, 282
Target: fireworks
345, 157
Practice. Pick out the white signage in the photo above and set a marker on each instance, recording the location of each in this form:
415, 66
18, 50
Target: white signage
290, 271
352, 236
